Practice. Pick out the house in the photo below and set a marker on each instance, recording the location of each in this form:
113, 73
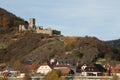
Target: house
93, 70
116, 70
44, 69
65, 69
83, 67
10, 71
108, 69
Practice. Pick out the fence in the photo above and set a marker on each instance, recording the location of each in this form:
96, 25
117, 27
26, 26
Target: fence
71, 78
88, 77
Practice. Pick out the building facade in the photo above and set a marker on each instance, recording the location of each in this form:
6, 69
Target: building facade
44, 69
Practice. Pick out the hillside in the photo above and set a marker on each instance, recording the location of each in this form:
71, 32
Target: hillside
114, 43
9, 22
30, 48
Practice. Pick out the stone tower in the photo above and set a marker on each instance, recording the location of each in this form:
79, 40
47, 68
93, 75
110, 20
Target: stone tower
31, 23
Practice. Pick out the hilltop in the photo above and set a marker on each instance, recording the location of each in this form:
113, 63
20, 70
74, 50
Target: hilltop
9, 22
29, 48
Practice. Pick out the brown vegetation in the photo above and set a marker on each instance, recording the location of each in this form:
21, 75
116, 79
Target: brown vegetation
9, 22
28, 48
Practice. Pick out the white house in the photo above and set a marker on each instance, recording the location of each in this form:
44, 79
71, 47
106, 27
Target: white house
44, 69
93, 70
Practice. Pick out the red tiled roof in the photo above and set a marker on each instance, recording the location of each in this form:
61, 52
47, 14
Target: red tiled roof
65, 71
45, 64
116, 68
62, 66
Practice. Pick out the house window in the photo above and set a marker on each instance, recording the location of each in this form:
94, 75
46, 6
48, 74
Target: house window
89, 69
92, 69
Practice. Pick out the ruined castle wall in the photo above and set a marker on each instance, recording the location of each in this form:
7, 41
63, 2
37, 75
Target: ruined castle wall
45, 31
22, 28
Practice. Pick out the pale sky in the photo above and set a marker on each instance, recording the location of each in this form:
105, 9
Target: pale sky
99, 18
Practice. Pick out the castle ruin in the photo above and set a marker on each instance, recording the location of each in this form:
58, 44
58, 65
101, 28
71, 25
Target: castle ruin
38, 29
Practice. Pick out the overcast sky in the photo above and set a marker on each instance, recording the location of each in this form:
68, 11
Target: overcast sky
99, 18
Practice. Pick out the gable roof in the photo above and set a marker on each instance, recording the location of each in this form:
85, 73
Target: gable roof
116, 69
95, 68
61, 65
47, 64
117, 66
65, 69
100, 67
